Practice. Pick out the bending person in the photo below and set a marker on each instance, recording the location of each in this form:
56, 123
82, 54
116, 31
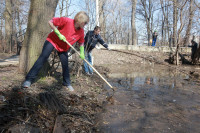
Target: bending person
63, 29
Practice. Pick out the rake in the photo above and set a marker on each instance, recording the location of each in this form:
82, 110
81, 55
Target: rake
109, 98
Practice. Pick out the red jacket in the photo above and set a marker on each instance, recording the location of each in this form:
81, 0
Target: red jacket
66, 27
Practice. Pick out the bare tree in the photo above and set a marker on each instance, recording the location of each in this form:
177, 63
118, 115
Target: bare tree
145, 9
197, 4
102, 18
196, 21
68, 3
116, 19
2, 44
13, 12
176, 55
20, 19
165, 23
189, 27
90, 9
89, 6
64, 7
181, 23
134, 36
8, 24
61, 7
175, 12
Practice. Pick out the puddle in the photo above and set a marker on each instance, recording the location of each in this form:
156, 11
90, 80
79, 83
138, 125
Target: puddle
152, 100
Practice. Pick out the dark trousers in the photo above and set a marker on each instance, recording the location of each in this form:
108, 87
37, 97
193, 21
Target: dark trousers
154, 42
46, 51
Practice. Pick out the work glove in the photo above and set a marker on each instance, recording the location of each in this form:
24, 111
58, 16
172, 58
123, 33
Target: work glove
82, 55
60, 36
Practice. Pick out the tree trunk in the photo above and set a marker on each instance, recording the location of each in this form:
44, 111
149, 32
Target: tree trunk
8, 24
102, 18
175, 31
162, 31
1, 35
164, 21
181, 23
174, 22
14, 28
88, 12
191, 15
178, 41
148, 18
64, 5
61, 7
134, 36
168, 28
67, 8
19, 25
37, 30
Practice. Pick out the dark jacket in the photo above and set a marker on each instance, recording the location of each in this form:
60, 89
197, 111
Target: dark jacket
154, 36
194, 47
91, 40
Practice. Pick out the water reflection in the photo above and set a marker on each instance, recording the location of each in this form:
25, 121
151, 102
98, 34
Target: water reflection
137, 80
148, 98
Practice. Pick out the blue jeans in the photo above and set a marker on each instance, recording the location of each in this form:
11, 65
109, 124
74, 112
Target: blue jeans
46, 51
154, 42
88, 57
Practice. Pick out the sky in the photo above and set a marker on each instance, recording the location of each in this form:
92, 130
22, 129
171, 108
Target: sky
73, 9
77, 5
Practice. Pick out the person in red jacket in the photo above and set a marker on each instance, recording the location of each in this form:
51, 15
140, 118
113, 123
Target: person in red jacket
63, 29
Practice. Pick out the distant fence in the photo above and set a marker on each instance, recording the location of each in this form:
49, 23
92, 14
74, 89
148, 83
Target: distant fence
148, 48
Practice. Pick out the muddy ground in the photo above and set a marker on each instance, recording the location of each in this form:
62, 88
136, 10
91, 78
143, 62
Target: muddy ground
46, 107
152, 96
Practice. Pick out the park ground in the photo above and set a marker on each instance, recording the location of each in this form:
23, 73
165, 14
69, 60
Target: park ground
47, 107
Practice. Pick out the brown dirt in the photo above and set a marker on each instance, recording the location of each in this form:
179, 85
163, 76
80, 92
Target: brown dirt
115, 59
4, 55
77, 112
39, 106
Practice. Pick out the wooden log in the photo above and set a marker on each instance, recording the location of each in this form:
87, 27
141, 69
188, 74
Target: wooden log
58, 125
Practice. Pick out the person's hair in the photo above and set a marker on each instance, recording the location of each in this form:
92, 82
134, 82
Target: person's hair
81, 17
97, 28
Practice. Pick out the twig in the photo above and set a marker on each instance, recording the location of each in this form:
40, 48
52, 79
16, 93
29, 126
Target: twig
24, 121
